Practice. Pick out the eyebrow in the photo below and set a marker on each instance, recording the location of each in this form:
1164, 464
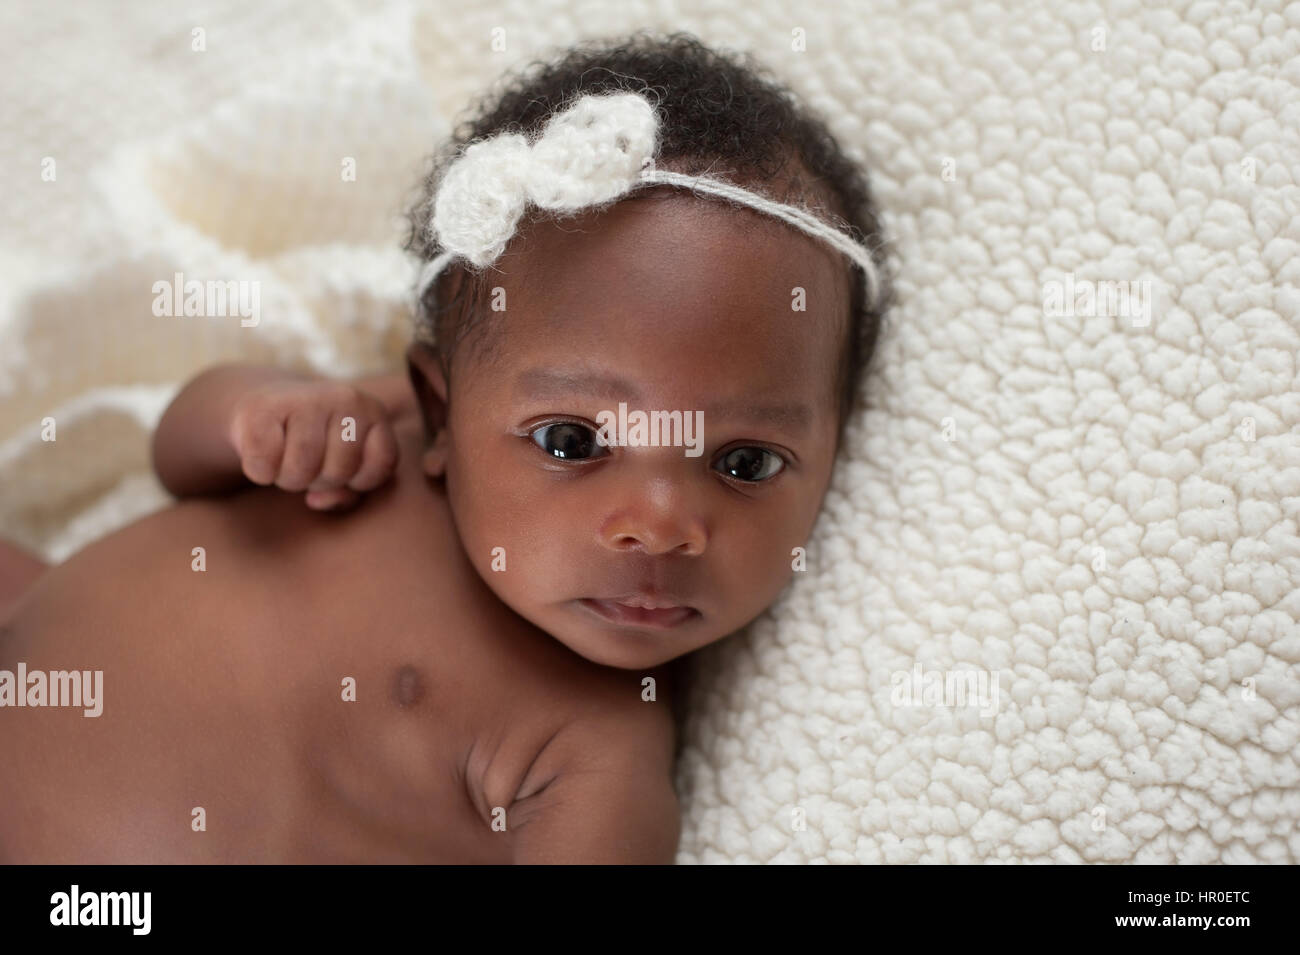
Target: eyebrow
546, 383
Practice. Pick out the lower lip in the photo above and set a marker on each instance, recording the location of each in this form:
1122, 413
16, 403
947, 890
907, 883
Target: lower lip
615, 612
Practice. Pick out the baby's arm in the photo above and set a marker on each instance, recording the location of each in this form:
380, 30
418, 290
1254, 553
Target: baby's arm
239, 423
610, 800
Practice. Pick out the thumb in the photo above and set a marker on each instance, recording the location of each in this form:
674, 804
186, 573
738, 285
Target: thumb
332, 499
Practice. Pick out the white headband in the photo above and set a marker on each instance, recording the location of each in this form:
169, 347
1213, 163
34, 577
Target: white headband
591, 154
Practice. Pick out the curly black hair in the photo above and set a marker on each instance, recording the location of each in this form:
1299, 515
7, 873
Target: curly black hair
715, 109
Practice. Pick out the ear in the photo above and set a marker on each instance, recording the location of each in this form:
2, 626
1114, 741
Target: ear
424, 364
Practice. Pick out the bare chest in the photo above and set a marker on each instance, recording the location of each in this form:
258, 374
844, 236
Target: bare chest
375, 757
395, 773
313, 705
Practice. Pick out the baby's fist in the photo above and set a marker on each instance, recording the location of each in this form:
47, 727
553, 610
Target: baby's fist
329, 439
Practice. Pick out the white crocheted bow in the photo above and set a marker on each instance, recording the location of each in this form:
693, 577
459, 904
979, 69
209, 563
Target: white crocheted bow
592, 153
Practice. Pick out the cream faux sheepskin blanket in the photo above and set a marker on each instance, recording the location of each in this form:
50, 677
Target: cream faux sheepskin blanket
1075, 494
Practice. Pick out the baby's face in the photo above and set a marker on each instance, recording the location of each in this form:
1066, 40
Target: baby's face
667, 303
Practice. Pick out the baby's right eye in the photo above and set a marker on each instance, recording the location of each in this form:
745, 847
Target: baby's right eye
567, 440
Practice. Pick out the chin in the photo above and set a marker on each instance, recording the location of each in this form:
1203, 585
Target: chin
601, 649
622, 651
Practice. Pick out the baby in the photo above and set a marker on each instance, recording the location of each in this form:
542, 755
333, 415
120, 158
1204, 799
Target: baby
460, 649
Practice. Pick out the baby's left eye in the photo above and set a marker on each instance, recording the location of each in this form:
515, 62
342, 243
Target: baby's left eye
567, 440
747, 464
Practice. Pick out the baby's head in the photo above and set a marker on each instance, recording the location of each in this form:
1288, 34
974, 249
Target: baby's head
753, 332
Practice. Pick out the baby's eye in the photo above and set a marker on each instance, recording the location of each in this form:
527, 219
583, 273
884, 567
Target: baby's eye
747, 464
568, 440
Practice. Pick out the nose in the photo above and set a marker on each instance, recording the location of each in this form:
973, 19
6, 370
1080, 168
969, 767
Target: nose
656, 517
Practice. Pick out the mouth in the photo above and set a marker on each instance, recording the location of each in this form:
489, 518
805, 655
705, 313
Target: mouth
640, 611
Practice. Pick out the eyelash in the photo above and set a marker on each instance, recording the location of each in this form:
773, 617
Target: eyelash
531, 432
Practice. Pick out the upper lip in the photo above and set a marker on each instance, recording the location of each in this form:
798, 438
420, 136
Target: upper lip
648, 600
646, 592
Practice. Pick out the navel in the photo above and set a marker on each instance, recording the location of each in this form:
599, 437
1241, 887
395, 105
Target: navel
407, 686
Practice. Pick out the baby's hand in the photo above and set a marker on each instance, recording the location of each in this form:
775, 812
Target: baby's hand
329, 439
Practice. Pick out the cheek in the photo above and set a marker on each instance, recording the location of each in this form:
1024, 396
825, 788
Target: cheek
756, 550
755, 556
496, 508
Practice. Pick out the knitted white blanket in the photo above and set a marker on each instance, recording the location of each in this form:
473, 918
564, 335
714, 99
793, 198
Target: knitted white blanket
1075, 495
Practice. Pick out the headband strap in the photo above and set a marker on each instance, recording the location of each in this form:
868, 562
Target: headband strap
590, 155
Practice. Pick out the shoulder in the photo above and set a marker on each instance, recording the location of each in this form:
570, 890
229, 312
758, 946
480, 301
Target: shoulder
597, 718
626, 718
600, 789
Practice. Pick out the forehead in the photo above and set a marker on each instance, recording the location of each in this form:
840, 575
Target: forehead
680, 292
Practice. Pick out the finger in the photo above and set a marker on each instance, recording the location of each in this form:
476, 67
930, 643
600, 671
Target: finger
379, 458
343, 450
304, 449
331, 499
259, 441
